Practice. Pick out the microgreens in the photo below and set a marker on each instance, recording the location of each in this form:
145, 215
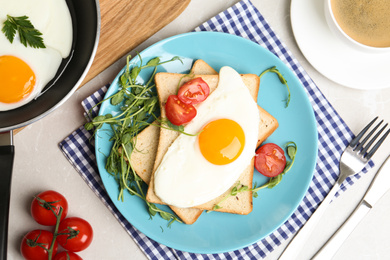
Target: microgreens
139, 106
282, 80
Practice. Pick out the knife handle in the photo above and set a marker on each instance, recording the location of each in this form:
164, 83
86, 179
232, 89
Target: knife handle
298, 242
333, 244
6, 164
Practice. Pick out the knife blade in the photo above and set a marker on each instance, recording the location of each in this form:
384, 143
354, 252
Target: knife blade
378, 187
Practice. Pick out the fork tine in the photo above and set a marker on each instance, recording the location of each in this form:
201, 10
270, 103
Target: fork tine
376, 146
360, 146
355, 141
365, 149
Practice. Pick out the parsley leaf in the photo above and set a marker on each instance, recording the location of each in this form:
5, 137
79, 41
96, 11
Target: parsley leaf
27, 33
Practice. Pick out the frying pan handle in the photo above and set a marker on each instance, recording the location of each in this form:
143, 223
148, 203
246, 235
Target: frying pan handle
6, 162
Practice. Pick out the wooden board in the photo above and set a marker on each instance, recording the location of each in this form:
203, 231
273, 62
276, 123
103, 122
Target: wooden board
127, 23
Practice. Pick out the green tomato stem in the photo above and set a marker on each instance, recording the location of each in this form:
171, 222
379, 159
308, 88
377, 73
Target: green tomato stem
58, 217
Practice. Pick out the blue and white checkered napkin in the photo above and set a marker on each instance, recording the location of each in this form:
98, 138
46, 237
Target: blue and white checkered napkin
244, 20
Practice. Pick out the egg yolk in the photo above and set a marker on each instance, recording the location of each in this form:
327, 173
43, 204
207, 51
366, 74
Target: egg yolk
17, 79
221, 141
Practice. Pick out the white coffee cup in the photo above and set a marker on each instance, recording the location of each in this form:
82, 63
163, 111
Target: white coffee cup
338, 31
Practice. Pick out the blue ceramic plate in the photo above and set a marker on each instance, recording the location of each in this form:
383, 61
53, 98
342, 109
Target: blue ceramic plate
220, 232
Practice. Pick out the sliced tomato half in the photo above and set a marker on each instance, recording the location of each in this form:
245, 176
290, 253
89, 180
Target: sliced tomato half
270, 160
179, 112
194, 91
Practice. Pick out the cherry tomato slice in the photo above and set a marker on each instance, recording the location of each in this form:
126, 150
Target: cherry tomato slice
270, 160
179, 112
75, 234
35, 243
67, 255
193, 91
40, 207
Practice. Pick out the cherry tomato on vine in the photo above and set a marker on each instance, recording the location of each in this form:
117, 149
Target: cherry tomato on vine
40, 207
35, 243
75, 234
270, 160
67, 255
193, 91
179, 112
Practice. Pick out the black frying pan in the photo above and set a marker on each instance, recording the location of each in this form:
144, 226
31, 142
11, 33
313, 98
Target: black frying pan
86, 30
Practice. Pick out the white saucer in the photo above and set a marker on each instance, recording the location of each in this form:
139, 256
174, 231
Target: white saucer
331, 56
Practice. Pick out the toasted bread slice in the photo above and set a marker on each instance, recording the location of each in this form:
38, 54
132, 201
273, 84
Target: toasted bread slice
167, 85
144, 155
201, 67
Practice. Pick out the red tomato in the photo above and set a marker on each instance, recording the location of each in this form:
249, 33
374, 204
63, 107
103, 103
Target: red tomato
193, 91
67, 255
270, 160
40, 207
178, 112
35, 243
75, 234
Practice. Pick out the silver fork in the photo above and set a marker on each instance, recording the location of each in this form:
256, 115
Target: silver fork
352, 161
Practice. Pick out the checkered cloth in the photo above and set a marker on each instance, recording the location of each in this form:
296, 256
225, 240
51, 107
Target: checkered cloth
244, 20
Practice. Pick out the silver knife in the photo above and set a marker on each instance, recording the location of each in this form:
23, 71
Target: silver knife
378, 187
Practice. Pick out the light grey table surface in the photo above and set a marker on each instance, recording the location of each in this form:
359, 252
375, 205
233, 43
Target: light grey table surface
39, 164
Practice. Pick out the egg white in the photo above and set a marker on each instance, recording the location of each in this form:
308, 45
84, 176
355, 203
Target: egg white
185, 178
43, 62
52, 18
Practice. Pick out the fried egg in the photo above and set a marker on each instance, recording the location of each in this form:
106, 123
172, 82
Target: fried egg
197, 169
25, 71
